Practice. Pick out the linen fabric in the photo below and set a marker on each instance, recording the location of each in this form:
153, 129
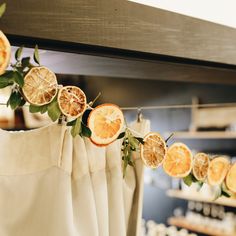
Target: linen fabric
54, 185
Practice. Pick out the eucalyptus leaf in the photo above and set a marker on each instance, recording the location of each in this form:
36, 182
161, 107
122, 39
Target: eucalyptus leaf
7, 79
54, 111
15, 100
188, 180
19, 79
18, 53
22, 103
139, 139
131, 163
193, 178
225, 194
4, 82
2, 9
121, 135
76, 129
125, 164
85, 131
225, 191
25, 62
34, 109
8, 74
133, 142
200, 184
71, 123
44, 109
36, 55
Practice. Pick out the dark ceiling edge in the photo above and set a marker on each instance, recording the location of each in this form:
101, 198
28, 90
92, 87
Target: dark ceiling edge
94, 50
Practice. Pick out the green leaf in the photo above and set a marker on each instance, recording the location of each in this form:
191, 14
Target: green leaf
131, 163
134, 143
4, 82
121, 135
36, 55
2, 9
9, 75
85, 131
200, 184
225, 193
22, 103
18, 53
188, 180
125, 164
54, 110
34, 109
19, 79
76, 129
44, 109
7, 79
25, 62
15, 100
71, 123
139, 139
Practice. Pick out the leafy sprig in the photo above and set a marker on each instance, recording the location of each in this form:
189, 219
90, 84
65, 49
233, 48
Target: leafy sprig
130, 144
15, 78
221, 190
79, 128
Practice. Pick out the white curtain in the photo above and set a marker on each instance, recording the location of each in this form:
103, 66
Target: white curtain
53, 185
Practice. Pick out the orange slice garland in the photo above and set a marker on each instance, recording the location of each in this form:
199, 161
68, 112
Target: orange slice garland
153, 151
5, 52
201, 163
178, 160
231, 178
40, 86
217, 170
106, 122
72, 101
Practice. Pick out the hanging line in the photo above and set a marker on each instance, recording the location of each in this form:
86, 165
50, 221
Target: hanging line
184, 106
180, 106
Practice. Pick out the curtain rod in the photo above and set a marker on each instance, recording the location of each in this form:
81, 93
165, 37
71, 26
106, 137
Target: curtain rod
184, 106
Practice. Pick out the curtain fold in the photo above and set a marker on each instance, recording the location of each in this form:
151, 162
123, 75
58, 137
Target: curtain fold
53, 185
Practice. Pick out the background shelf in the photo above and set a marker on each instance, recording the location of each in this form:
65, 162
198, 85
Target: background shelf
205, 135
182, 222
198, 197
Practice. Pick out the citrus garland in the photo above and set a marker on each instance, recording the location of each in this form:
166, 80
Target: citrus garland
38, 86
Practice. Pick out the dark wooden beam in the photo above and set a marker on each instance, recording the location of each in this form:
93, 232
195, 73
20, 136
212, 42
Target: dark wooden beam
121, 24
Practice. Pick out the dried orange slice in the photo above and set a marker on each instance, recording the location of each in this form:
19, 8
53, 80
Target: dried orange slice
40, 86
231, 178
106, 122
5, 52
217, 170
201, 163
72, 101
153, 151
178, 160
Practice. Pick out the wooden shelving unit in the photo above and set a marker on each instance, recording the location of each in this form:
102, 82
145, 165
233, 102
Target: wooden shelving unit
182, 222
198, 197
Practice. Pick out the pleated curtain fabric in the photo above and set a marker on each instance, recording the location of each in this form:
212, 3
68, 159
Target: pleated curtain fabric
54, 185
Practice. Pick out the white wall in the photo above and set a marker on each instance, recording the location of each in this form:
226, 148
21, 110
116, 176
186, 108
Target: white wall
217, 11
